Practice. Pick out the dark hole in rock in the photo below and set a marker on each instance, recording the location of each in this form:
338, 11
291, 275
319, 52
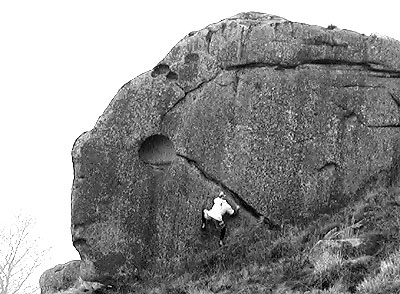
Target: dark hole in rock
159, 70
172, 75
157, 150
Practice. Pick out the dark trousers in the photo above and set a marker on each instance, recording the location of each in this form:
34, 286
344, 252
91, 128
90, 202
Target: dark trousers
217, 224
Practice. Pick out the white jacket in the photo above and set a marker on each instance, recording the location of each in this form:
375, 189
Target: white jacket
219, 208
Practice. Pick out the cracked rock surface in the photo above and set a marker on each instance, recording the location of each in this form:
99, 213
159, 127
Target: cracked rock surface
291, 120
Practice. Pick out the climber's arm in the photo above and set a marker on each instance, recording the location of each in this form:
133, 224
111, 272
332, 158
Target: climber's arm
230, 211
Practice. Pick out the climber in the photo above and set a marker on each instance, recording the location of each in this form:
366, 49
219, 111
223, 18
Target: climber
220, 207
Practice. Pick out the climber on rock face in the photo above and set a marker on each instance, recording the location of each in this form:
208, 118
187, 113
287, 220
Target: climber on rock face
220, 207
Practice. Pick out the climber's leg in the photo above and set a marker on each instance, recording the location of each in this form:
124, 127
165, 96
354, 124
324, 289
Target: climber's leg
203, 220
222, 233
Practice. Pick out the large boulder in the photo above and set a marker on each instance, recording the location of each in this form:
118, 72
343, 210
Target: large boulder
289, 119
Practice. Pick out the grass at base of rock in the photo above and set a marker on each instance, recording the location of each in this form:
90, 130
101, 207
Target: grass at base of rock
387, 280
260, 261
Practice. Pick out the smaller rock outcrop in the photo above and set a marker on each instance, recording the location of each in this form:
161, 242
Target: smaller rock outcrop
65, 279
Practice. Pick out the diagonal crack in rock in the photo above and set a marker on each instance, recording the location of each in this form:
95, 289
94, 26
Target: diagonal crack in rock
186, 94
396, 100
223, 186
237, 198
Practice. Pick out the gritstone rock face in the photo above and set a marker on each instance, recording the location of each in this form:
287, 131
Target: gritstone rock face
289, 119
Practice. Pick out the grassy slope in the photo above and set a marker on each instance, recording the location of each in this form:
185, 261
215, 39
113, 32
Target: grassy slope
264, 262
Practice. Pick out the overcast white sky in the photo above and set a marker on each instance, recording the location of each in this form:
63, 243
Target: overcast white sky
61, 63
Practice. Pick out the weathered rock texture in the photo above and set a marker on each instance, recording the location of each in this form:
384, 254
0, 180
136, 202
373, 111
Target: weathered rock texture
60, 278
66, 279
292, 119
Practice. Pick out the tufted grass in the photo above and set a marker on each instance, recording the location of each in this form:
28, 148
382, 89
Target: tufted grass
263, 262
387, 280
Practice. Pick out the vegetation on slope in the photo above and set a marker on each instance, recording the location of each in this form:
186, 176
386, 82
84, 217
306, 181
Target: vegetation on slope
353, 251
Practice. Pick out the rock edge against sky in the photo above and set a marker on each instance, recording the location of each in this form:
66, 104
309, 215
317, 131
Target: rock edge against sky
291, 120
